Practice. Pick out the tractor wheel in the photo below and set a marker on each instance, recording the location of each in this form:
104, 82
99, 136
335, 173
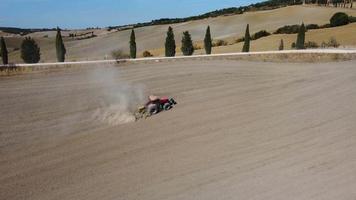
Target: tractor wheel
152, 109
167, 106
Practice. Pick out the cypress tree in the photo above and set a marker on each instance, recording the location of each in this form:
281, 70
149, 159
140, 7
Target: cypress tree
4, 52
30, 52
170, 45
301, 37
133, 44
187, 44
281, 45
208, 41
246, 47
60, 49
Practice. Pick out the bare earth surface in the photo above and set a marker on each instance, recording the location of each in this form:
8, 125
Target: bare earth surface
241, 130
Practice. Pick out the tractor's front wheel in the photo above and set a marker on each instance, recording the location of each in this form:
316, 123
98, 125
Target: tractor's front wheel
167, 106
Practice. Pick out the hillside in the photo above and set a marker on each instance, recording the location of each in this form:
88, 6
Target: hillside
152, 37
345, 36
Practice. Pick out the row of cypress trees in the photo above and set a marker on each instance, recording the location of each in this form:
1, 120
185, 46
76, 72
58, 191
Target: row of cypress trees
187, 43
170, 44
30, 51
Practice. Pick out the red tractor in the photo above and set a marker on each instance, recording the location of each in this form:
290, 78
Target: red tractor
154, 106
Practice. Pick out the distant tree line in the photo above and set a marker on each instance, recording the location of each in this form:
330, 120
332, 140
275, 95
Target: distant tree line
82, 36
338, 19
266, 5
334, 3
187, 46
22, 31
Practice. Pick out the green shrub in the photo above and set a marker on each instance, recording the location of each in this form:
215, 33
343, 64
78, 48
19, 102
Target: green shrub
339, 19
260, 34
281, 45
288, 29
219, 43
352, 19
312, 26
187, 47
119, 54
147, 54
30, 51
325, 26
311, 45
240, 39
293, 46
331, 43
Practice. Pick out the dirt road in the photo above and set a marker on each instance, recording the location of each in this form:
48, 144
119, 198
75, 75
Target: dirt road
241, 130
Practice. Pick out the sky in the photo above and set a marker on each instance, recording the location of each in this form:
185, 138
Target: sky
102, 13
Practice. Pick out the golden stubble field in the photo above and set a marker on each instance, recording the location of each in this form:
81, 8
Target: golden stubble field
227, 27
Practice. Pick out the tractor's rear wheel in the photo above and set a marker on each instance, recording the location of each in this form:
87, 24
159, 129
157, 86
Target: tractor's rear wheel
152, 109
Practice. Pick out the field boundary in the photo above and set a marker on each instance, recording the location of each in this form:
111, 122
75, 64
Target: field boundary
310, 55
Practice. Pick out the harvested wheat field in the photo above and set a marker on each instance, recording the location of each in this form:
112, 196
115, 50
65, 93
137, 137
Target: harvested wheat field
152, 38
344, 35
241, 130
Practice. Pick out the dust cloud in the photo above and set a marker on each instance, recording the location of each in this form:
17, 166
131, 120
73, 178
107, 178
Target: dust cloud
116, 99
